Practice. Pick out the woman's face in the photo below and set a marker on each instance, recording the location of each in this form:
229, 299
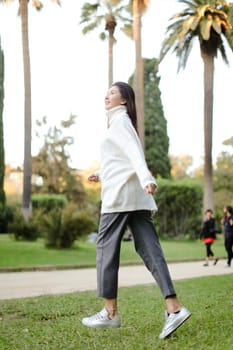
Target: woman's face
113, 98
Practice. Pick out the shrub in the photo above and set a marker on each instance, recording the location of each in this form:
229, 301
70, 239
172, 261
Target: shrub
180, 207
48, 202
63, 226
6, 215
22, 229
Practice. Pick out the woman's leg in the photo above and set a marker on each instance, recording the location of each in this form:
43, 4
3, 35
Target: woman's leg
228, 248
111, 229
148, 247
209, 250
230, 252
210, 254
207, 254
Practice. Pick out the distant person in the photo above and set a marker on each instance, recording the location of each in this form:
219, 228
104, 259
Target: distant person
224, 216
208, 235
127, 200
228, 233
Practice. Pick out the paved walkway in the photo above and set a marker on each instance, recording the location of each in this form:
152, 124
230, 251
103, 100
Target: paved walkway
30, 284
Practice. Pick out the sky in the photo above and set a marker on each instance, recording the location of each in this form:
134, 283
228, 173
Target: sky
69, 73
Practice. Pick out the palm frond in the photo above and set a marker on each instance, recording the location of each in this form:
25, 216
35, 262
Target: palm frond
106, 13
111, 2
92, 25
229, 37
183, 50
217, 24
37, 4
223, 52
102, 36
207, 20
128, 30
205, 27
58, 2
88, 11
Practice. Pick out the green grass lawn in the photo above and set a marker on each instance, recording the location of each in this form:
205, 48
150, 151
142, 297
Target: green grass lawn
18, 254
54, 322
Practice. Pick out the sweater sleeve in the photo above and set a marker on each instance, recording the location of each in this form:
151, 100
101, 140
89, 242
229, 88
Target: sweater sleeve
127, 139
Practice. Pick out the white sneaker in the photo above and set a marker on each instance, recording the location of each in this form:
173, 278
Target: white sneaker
102, 320
173, 321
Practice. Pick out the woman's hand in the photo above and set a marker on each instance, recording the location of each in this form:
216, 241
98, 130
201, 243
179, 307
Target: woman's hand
94, 178
151, 188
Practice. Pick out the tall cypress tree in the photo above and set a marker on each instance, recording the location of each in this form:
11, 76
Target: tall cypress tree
156, 138
2, 153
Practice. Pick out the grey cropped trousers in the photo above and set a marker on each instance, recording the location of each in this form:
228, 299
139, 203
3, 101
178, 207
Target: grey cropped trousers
111, 230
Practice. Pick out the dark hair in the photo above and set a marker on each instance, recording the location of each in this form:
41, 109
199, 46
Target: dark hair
229, 209
209, 211
128, 95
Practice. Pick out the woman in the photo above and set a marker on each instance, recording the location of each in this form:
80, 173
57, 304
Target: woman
126, 195
208, 234
228, 233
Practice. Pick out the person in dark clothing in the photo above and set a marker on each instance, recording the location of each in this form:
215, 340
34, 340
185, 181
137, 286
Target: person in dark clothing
208, 235
228, 233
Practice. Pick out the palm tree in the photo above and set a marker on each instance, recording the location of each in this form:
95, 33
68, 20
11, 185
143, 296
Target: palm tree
209, 22
109, 12
139, 7
23, 11
2, 152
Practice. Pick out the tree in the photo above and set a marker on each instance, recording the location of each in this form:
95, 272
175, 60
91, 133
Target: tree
110, 12
209, 22
223, 184
23, 11
52, 163
2, 153
180, 166
224, 169
156, 138
139, 7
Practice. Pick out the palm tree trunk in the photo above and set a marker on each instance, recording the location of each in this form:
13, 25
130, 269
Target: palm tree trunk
2, 151
208, 201
27, 111
110, 57
139, 70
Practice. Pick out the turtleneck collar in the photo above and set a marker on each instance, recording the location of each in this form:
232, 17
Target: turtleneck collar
114, 112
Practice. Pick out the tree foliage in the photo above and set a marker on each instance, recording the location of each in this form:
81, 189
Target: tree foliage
205, 20
210, 23
180, 166
107, 14
179, 208
224, 169
156, 138
52, 163
2, 153
23, 12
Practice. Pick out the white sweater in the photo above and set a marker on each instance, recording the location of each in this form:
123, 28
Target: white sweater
124, 173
